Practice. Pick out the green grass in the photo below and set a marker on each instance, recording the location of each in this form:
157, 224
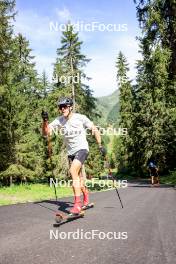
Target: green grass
30, 192
38, 192
170, 179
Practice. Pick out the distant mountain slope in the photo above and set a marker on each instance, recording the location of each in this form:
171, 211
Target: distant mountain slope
108, 108
113, 114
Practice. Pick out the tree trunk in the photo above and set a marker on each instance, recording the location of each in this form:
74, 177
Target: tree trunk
11, 181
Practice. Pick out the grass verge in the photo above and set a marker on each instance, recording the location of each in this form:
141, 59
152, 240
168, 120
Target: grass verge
38, 192
169, 179
30, 193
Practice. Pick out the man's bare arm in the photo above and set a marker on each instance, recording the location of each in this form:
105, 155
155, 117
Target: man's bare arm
97, 135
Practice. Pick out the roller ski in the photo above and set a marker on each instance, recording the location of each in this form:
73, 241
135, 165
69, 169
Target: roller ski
88, 206
74, 213
63, 218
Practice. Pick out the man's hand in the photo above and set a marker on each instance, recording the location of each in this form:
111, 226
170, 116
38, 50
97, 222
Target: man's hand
97, 135
44, 115
45, 128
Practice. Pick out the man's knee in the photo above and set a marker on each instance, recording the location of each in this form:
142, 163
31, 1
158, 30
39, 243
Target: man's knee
74, 171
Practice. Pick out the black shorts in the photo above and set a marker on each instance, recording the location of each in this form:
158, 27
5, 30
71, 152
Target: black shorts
153, 172
80, 155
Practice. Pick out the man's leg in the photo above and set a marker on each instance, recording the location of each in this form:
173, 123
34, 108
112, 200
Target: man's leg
77, 177
152, 177
74, 171
84, 189
157, 177
157, 180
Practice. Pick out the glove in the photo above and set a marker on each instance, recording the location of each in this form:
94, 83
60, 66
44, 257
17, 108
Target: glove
102, 151
44, 124
44, 115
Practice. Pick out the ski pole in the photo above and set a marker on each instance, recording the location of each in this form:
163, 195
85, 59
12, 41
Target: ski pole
106, 158
49, 146
117, 193
53, 177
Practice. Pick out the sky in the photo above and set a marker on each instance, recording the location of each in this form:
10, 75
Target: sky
42, 22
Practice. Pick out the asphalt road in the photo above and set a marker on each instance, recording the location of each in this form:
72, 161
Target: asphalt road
148, 220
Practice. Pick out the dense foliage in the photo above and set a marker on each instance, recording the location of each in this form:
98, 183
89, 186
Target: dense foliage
152, 101
147, 109
23, 95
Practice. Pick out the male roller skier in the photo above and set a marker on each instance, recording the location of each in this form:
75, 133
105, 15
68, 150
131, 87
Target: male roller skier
153, 169
73, 127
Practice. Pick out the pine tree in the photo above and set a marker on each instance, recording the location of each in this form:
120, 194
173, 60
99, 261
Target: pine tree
6, 132
155, 91
150, 109
24, 99
125, 111
69, 67
27, 95
157, 18
45, 85
70, 63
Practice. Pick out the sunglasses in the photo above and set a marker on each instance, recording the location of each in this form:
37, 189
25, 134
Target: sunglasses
63, 106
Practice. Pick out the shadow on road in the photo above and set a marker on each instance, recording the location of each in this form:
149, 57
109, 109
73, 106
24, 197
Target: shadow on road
65, 221
62, 205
